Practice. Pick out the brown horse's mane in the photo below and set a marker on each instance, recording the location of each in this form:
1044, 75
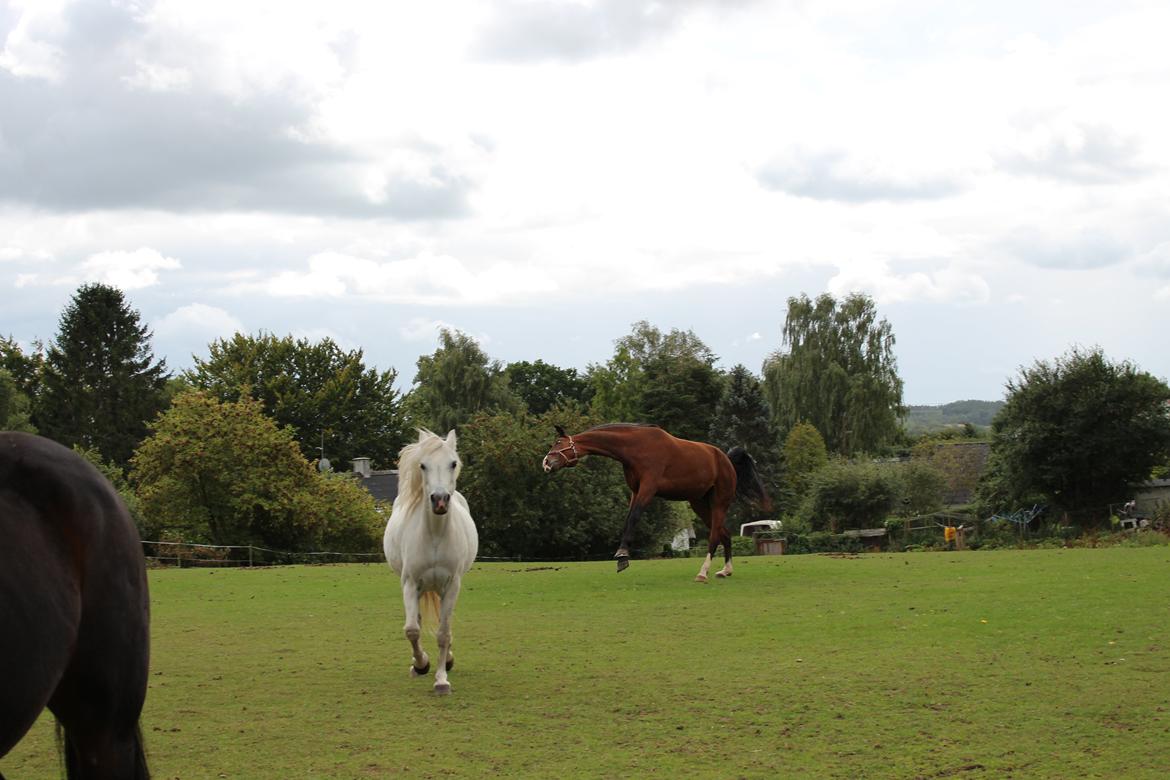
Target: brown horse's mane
620, 425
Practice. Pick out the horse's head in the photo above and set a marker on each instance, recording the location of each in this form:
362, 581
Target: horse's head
438, 466
563, 454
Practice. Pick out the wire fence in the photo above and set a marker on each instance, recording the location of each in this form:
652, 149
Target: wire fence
192, 554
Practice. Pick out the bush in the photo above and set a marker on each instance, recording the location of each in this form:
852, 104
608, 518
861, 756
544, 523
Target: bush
848, 496
742, 546
821, 542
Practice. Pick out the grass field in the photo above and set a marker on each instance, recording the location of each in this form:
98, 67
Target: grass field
1025, 664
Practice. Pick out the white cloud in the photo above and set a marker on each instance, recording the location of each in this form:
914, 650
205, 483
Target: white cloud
421, 329
158, 78
28, 51
198, 320
647, 157
426, 278
947, 285
129, 270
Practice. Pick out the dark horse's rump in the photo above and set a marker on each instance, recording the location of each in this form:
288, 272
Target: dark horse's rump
75, 617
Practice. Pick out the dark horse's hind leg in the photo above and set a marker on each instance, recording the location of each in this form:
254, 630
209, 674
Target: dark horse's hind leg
114, 753
98, 701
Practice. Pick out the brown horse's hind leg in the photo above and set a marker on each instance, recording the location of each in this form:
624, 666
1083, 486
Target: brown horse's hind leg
702, 508
725, 540
719, 535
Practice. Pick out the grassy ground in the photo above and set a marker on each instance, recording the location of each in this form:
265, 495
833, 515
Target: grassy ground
1026, 664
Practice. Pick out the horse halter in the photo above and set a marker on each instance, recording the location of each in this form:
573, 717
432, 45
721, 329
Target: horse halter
572, 447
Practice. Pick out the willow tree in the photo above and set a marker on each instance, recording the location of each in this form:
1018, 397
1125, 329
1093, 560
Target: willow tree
836, 371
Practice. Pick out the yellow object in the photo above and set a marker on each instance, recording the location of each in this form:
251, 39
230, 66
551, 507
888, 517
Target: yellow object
949, 533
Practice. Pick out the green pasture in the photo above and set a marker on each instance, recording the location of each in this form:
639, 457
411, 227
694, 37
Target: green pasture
990, 664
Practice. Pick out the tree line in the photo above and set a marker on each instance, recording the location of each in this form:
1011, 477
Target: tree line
225, 452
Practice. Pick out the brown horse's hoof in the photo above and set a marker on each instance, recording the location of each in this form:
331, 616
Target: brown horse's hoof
701, 578
623, 563
416, 672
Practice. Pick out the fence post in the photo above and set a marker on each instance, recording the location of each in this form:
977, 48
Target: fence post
249, 556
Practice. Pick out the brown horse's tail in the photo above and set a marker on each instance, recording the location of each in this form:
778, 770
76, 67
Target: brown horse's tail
747, 479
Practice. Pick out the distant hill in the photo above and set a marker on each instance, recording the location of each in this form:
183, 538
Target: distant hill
925, 419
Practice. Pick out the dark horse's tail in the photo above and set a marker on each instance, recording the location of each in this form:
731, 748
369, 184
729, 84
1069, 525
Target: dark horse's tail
747, 480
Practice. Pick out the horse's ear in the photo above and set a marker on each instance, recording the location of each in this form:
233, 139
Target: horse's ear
451, 438
423, 435
560, 431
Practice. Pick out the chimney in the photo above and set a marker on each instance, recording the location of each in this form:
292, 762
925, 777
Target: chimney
362, 466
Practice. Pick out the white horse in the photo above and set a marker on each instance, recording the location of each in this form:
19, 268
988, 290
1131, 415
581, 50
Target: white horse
430, 543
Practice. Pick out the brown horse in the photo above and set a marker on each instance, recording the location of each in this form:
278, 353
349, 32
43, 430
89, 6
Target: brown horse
658, 464
74, 609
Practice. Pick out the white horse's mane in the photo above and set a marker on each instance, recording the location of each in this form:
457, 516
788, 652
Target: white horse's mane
410, 483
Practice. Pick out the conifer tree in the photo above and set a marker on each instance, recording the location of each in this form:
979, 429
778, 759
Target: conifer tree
100, 384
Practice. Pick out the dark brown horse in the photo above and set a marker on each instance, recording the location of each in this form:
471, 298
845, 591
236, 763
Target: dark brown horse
658, 464
74, 609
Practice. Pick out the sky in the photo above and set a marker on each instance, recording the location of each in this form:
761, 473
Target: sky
541, 175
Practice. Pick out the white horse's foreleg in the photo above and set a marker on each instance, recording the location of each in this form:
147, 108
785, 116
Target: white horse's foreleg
447, 606
421, 664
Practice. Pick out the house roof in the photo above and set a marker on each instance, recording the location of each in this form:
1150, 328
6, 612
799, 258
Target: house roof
382, 485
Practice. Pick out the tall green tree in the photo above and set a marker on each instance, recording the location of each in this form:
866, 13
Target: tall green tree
1079, 431
617, 388
839, 373
101, 385
225, 473
24, 368
455, 382
324, 393
14, 406
542, 386
668, 379
742, 418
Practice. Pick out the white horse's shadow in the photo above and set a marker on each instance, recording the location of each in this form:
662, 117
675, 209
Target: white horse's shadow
430, 542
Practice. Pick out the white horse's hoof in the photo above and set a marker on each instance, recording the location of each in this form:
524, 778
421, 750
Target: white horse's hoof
442, 689
701, 578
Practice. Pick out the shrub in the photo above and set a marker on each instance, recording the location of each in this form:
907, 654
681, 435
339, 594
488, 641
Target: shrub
849, 495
